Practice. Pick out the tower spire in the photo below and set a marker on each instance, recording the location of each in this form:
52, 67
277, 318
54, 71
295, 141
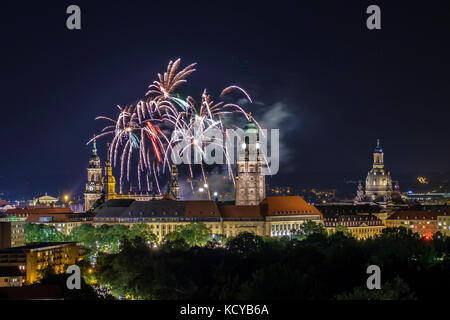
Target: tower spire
107, 153
94, 147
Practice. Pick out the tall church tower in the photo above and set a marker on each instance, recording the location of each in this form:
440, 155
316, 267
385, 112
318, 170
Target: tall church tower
94, 188
173, 187
109, 182
250, 182
379, 181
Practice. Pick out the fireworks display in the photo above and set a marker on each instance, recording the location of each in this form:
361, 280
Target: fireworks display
153, 128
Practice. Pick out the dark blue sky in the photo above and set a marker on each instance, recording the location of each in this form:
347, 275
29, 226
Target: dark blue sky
336, 86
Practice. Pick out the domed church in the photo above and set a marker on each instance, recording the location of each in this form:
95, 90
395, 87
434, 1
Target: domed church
378, 181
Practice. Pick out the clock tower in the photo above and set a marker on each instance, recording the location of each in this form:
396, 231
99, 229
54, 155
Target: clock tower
94, 187
250, 180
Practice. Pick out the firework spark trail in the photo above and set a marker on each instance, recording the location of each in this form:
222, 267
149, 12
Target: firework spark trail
138, 127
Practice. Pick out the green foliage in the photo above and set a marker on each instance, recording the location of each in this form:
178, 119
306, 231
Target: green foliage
48, 276
107, 238
143, 231
253, 267
194, 234
343, 229
42, 233
308, 229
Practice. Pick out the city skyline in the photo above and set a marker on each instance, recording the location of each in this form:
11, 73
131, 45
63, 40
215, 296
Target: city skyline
301, 86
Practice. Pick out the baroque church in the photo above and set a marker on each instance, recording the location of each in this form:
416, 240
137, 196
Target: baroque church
102, 188
378, 182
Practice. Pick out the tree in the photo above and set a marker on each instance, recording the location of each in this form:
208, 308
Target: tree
48, 276
42, 233
343, 229
143, 231
309, 228
245, 243
194, 234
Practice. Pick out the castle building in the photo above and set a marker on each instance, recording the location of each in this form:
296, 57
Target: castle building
250, 180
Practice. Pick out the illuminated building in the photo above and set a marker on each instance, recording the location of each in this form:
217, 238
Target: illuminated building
63, 219
103, 188
422, 222
45, 200
32, 258
94, 186
250, 180
11, 231
443, 222
275, 216
378, 187
10, 277
360, 226
428, 198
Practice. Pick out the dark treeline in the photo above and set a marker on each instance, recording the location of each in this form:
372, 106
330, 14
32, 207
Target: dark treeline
251, 267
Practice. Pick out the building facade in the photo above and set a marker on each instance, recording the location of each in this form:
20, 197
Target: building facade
94, 186
250, 179
32, 258
443, 222
361, 227
275, 216
10, 277
63, 219
425, 223
11, 232
103, 188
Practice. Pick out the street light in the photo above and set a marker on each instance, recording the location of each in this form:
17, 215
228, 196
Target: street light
205, 185
215, 194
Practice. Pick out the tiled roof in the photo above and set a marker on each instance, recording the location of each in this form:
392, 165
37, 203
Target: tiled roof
415, 215
232, 211
287, 205
38, 211
204, 209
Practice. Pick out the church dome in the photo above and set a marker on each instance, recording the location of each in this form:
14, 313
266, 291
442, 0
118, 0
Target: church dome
378, 181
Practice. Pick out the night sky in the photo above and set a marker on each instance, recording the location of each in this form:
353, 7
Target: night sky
312, 67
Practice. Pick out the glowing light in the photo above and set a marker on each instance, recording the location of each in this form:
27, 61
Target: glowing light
139, 127
244, 145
